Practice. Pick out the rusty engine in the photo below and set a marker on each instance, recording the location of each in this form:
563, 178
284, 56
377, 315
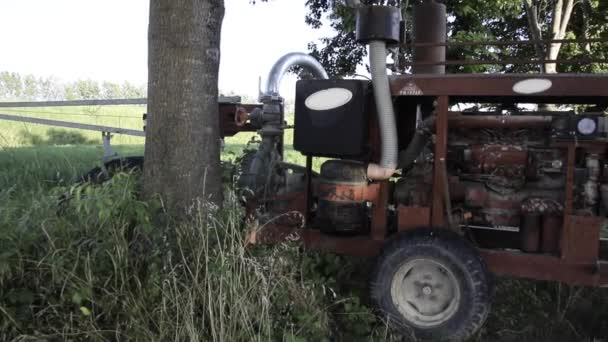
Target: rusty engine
505, 168
505, 174
436, 174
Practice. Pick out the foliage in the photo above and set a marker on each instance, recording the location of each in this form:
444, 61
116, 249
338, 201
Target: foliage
14, 86
108, 266
469, 20
55, 137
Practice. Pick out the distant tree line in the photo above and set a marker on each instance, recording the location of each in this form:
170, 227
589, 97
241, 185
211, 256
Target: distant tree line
14, 86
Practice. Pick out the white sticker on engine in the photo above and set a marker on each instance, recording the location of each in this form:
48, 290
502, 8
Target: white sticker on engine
532, 86
327, 99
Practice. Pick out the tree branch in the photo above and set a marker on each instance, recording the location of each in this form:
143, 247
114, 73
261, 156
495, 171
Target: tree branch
586, 11
557, 19
561, 18
535, 30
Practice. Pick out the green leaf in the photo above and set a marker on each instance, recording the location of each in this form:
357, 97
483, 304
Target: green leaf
76, 298
85, 311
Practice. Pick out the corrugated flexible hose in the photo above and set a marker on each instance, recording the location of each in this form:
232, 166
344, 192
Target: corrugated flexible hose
386, 114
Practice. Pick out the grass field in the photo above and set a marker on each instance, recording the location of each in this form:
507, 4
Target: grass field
105, 268
16, 134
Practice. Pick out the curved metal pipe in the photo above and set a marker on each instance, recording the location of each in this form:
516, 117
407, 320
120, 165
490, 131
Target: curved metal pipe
282, 66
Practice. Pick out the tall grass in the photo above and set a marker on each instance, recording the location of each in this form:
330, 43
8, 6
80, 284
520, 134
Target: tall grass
109, 267
106, 266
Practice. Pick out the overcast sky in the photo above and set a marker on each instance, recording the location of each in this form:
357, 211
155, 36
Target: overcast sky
107, 40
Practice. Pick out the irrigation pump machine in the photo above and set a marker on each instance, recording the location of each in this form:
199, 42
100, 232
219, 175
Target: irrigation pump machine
440, 197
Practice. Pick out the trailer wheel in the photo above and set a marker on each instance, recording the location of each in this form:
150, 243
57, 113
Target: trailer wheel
432, 283
99, 175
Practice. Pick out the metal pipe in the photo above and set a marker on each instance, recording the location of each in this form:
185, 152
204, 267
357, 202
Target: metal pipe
430, 26
67, 124
458, 120
510, 42
97, 102
353, 3
530, 232
282, 66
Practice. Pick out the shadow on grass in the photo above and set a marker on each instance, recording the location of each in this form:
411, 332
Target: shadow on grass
55, 137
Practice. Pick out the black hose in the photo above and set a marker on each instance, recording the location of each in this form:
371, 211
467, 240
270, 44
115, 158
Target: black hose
419, 141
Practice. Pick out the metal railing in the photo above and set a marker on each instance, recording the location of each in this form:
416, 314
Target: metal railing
584, 60
106, 131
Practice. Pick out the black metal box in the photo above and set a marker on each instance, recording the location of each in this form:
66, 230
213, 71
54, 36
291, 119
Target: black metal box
331, 117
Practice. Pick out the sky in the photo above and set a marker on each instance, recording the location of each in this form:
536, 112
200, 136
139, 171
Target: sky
107, 40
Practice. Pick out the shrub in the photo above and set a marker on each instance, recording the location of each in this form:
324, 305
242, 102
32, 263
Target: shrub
55, 137
65, 137
103, 270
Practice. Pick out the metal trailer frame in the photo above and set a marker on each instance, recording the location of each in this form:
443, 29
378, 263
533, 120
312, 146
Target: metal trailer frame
578, 260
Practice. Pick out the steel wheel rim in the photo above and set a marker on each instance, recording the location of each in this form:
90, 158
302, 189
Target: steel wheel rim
425, 292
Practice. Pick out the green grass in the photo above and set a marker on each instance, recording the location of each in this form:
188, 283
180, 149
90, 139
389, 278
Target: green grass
107, 267
15, 134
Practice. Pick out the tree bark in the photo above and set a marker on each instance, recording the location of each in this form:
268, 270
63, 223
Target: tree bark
535, 30
182, 153
562, 11
586, 13
561, 18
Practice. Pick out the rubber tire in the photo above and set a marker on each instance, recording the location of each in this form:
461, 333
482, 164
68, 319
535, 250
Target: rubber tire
456, 254
98, 175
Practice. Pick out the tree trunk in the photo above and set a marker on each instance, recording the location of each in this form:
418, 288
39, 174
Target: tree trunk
561, 18
182, 153
535, 31
562, 11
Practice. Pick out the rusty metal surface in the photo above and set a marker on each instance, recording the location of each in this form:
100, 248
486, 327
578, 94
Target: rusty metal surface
489, 158
413, 217
570, 166
309, 189
550, 234
378, 195
544, 267
460, 120
438, 210
469, 87
429, 27
603, 248
499, 262
513, 42
571, 242
530, 233
342, 192
228, 126
572, 61
580, 239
